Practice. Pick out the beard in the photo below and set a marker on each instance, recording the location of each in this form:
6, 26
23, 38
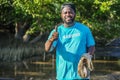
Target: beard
68, 22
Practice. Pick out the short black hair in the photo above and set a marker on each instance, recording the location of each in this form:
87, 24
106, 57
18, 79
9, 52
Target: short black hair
71, 5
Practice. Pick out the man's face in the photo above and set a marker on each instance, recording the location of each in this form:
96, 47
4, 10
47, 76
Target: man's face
68, 15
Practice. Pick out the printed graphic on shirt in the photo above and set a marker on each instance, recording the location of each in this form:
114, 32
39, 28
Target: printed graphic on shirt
71, 35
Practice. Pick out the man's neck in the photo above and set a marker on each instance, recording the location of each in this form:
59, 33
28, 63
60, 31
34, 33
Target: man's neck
69, 25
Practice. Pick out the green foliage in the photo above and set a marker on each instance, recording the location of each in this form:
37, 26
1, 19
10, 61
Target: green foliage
104, 5
102, 16
41, 11
6, 12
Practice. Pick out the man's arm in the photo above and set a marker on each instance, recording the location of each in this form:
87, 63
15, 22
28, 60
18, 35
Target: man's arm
48, 45
91, 50
49, 42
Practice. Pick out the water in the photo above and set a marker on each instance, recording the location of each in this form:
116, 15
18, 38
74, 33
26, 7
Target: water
38, 69
35, 69
104, 68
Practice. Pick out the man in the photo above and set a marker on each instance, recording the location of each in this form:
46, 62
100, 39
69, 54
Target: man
71, 40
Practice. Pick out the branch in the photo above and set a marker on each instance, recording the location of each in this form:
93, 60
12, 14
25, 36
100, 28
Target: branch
37, 38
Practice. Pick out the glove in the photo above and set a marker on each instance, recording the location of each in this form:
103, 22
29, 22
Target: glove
89, 61
85, 65
82, 68
88, 56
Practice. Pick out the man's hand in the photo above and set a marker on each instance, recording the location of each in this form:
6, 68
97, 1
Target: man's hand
48, 44
54, 36
88, 56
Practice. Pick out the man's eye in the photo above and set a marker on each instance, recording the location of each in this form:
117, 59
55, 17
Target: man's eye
65, 12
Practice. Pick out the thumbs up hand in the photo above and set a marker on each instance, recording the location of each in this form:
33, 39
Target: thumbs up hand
54, 36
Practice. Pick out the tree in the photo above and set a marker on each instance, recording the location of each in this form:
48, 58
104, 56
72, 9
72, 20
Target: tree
36, 17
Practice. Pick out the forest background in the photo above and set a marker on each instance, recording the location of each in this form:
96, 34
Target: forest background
29, 22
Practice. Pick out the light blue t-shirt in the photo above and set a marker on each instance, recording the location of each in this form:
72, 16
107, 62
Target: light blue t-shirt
70, 46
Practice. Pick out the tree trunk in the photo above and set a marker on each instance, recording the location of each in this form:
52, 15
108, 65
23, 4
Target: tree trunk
20, 29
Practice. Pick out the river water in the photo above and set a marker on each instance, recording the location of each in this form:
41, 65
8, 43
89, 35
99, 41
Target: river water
37, 69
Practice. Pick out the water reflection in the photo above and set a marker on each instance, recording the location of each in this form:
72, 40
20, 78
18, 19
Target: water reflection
45, 70
106, 67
